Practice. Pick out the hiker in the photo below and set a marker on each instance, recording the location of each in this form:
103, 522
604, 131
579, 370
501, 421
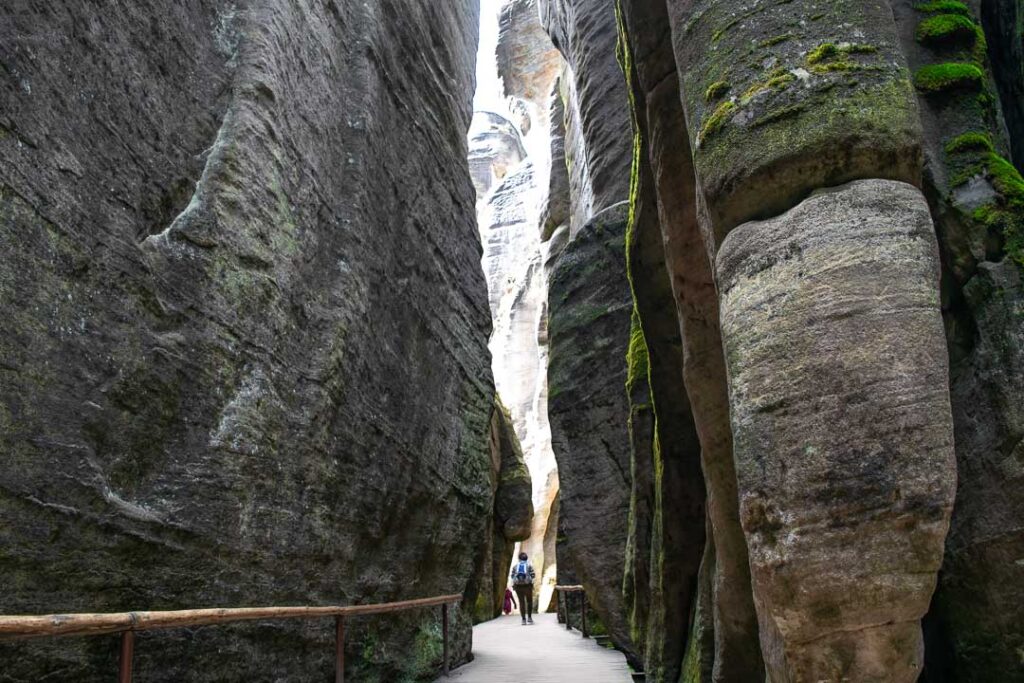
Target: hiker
522, 580
510, 601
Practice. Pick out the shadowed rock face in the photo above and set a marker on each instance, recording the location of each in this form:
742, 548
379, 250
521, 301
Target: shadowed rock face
667, 239
976, 627
1003, 20
589, 317
512, 518
244, 359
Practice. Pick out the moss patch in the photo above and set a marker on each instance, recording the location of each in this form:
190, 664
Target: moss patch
947, 29
776, 80
637, 359
936, 78
822, 52
1005, 216
970, 142
776, 40
716, 120
947, 6
716, 90
827, 51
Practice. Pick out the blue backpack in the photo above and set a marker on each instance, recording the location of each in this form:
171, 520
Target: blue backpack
522, 575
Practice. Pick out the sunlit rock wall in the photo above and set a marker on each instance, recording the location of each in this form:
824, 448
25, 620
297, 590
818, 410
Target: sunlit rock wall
510, 219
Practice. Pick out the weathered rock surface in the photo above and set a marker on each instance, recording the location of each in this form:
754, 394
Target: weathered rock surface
556, 208
513, 507
589, 318
723, 641
777, 108
584, 31
495, 147
512, 518
830, 316
527, 61
677, 520
244, 353
976, 627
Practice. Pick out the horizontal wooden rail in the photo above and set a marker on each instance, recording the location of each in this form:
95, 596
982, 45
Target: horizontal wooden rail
49, 625
569, 589
127, 623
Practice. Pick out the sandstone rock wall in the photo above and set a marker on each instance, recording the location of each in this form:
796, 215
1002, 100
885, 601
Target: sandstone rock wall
598, 157
590, 310
244, 356
761, 111
512, 517
750, 113
974, 628
801, 159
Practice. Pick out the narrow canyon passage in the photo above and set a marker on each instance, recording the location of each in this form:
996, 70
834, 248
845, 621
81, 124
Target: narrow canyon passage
506, 652
317, 313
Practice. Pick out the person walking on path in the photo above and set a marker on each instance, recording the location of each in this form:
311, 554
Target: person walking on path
510, 601
522, 580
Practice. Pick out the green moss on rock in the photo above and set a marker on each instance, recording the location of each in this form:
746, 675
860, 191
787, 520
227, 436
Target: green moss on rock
1005, 216
947, 29
716, 120
637, 359
776, 40
822, 52
937, 78
947, 6
972, 141
716, 90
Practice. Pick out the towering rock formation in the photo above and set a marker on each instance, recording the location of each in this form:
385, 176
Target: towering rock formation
793, 164
244, 354
764, 132
589, 307
665, 186
590, 310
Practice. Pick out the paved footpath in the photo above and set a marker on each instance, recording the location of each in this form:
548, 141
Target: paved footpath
506, 652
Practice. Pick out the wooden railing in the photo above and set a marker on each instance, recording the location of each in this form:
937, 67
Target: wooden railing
127, 623
564, 592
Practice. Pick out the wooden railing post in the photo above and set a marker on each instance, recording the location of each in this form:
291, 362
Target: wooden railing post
568, 611
583, 610
339, 649
444, 635
124, 674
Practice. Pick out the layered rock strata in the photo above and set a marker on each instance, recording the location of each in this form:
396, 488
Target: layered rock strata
762, 111
845, 526
244, 359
